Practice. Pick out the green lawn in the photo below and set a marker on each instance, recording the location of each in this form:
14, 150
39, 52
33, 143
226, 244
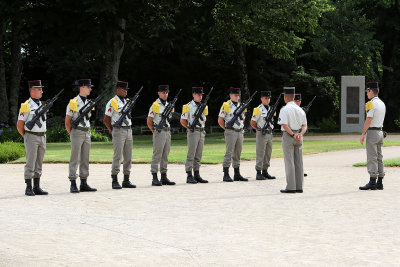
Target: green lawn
213, 152
388, 163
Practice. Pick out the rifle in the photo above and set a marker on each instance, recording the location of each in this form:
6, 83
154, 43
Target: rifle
39, 113
307, 108
270, 115
199, 112
238, 113
126, 111
84, 111
167, 111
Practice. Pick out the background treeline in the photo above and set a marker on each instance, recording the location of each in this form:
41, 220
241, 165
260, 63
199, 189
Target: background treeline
252, 44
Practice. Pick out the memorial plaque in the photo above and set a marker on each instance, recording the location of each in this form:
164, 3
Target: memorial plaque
352, 120
353, 100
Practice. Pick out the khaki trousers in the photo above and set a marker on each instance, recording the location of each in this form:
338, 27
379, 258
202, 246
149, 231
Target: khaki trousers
80, 148
35, 147
195, 141
234, 143
374, 143
161, 148
293, 155
122, 143
263, 150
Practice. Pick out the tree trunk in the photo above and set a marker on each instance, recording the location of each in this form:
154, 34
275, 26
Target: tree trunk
242, 64
15, 68
114, 40
3, 88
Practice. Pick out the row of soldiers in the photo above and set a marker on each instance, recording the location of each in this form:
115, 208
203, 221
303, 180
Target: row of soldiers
32, 126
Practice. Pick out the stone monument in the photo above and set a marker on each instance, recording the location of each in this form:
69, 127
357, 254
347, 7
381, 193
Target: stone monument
352, 104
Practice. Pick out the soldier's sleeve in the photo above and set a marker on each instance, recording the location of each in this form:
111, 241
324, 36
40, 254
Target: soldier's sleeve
108, 110
369, 108
282, 117
222, 113
185, 111
256, 114
151, 113
23, 111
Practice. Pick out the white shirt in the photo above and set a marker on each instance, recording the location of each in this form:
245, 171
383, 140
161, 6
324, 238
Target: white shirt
75, 113
188, 112
114, 108
28, 115
377, 112
156, 110
226, 112
260, 115
292, 115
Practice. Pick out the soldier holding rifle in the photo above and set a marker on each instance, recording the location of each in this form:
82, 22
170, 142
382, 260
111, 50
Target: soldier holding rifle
77, 123
118, 121
158, 122
193, 118
31, 125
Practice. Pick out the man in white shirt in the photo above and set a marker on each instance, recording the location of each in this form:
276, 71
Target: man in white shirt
233, 136
80, 138
373, 125
34, 139
195, 139
162, 139
293, 120
121, 136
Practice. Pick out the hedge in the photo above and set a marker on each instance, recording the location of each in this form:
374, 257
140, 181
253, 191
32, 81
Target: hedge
10, 151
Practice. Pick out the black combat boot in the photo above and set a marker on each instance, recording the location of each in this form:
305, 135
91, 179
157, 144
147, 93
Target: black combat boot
74, 188
266, 175
155, 181
198, 178
370, 186
238, 177
379, 184
36, 187
190, 179
114, 183
165, 180
28, 190
226, 177
260, 176
85, 187
126, 183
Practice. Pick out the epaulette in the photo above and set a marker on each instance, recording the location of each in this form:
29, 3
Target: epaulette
245, 110
368, 106
226, 106
24, 107
114, 103
256, 111
155, 107
185, 108
275, 114
73, 104
206, 111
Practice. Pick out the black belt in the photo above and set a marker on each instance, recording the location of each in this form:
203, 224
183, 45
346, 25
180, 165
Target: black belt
36, 133
199, 129
236, 130
123, 127
375, 128
166, 129
82, 128
269, 131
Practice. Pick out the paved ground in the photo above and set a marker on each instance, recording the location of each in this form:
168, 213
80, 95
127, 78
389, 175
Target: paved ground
215, 224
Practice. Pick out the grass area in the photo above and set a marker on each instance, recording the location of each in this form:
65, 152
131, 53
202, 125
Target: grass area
388, 163
214, 150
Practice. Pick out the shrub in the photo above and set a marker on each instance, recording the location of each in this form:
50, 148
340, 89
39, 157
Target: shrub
98, 137
10, 151
11, 135
328, 125
57, 134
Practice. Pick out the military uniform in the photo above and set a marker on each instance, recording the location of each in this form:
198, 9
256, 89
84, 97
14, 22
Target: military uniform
376, 110
233, 138
195, 139
263, 141
122, 139
294, 117
161, 140
80, 140
35, 143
